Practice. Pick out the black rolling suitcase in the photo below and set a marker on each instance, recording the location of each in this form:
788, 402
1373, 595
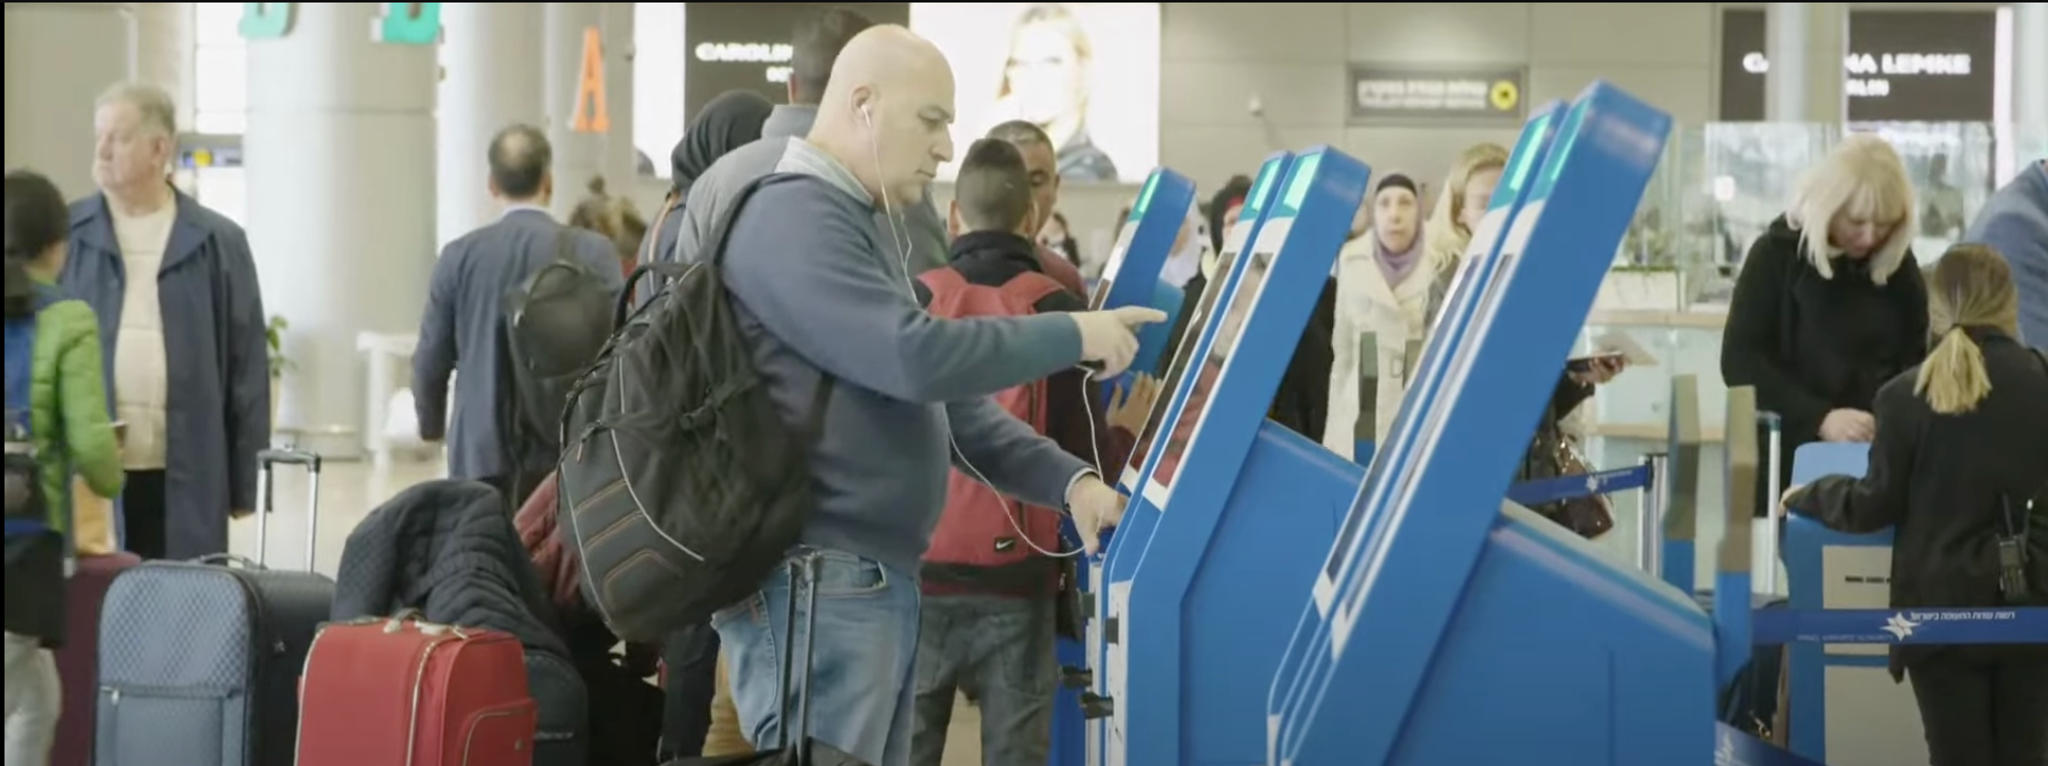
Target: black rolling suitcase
199, 661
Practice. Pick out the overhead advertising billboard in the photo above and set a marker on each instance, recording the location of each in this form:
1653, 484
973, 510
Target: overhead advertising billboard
746, 46
1088, 73
1904, 66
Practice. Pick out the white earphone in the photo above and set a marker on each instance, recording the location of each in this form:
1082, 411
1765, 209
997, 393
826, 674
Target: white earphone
866, 116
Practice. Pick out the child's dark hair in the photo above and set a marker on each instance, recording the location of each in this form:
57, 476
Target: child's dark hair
993, 188
36, 219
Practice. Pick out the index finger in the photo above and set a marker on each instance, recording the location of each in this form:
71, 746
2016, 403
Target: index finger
1136, 315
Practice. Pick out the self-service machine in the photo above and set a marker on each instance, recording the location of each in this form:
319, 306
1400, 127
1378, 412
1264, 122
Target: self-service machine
1507, 198
1131, 275
1455, 628
1194, 633
1845, 708
1127, 545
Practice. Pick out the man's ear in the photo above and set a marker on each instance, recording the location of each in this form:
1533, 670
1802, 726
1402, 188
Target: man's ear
1028, 227
953, 224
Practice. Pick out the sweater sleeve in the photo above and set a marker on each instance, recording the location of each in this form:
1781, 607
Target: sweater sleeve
1750, 355
1878, 499
82, 398
823, 288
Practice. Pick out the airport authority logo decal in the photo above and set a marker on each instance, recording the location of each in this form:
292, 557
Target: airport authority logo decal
1900, 627
1504, 95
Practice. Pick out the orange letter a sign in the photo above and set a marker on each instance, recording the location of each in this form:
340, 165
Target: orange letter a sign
591, 114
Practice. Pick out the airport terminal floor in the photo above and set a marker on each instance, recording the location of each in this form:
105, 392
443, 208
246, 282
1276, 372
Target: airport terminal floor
1040, 384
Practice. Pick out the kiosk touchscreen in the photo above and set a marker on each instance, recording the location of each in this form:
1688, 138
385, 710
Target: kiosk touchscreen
1507, 198
1131, 275
1203, 615
1458, 622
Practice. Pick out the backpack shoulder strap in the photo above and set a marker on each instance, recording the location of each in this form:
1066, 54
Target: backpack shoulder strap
1030, 287
942, 280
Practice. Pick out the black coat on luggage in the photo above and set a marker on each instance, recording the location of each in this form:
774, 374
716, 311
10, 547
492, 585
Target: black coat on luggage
448, 549
201, 663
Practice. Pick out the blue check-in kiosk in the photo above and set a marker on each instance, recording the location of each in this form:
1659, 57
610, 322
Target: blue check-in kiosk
1507, 198
1462, 629
1127, 546
1845, 707
1201, 621
1131, 275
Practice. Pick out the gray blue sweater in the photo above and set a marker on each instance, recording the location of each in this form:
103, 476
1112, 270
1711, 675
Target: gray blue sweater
2015, 221
816, 291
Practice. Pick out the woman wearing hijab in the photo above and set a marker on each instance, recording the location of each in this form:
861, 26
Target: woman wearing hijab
728, 122
1385, 277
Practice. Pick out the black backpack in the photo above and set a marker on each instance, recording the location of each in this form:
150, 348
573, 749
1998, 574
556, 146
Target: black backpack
556, 320
680, 484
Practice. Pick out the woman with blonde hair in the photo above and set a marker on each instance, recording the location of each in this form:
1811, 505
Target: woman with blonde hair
1463, 200
1046, 82
1830, 304
1959, 465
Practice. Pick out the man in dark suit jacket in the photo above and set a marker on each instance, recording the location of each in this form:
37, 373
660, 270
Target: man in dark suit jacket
465, 306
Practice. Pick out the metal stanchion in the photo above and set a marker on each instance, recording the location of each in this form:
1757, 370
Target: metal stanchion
1650, 517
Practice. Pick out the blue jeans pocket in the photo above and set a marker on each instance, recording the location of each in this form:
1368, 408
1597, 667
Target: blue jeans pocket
845, 575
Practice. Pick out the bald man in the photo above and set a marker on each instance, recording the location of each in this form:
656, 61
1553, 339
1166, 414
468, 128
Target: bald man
465, 308
822, 300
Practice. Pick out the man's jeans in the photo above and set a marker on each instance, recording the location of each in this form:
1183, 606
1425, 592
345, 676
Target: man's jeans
865, 637
999, 650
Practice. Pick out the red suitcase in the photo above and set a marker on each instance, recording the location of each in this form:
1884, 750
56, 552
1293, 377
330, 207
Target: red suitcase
78, 661
405, 692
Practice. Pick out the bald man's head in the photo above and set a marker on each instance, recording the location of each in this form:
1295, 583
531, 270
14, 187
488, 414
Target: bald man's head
887, 113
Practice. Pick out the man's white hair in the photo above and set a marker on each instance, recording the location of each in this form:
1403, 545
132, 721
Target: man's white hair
152, 102
1861, 177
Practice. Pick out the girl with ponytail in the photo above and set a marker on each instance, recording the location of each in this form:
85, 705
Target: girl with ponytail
1959, 467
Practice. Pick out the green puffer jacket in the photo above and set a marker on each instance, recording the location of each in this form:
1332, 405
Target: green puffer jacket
68, 407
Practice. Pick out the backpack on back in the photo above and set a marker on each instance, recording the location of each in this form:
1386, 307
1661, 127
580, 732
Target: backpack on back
27, 510
980, 528
679, 483
555, 322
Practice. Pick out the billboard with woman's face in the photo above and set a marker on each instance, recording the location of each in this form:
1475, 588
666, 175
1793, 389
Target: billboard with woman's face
1086, 73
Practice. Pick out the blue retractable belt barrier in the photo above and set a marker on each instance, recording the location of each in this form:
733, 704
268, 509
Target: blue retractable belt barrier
1981, 625
1535, 493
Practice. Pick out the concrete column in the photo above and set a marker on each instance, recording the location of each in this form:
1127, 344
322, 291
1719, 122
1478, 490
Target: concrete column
164, 38
2030, 65
1805, 43
580, 155
340, 168
483, 89
59, 57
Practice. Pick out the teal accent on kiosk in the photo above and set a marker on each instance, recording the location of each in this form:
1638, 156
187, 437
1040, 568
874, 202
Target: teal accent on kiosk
1125, 547
1131, 275
1458, 625
1238, 497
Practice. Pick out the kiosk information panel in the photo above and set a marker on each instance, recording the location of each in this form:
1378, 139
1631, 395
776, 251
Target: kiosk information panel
1202, 626
1451, 663
1131, 275
1312, 628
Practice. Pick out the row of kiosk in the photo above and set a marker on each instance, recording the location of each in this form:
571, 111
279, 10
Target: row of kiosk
1266, 600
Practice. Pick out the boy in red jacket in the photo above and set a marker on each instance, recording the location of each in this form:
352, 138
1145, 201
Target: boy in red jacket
993, 572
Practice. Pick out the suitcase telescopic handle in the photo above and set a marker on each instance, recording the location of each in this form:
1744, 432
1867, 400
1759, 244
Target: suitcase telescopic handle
266, 460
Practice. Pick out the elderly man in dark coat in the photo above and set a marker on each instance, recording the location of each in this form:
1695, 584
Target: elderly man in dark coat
181, 319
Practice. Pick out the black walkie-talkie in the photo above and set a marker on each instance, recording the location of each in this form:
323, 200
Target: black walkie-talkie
2012, 553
